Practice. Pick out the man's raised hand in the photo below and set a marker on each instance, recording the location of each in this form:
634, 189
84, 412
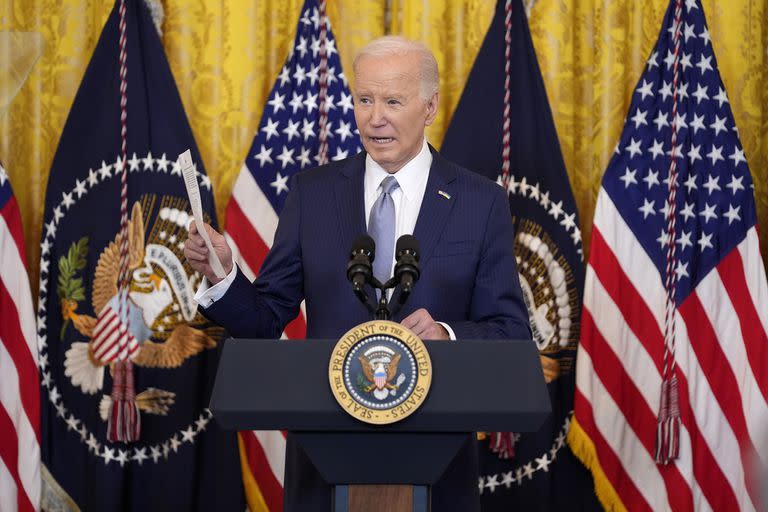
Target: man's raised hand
197, 253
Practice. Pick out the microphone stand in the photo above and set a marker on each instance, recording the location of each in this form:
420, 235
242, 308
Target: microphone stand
382, 311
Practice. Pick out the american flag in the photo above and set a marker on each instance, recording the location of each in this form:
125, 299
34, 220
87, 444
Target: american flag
19, 382
719, 300
289, 140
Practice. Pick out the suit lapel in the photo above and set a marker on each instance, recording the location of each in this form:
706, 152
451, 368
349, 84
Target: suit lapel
439, 197
350, 200
350, 205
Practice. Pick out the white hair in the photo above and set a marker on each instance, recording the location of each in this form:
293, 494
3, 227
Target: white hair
397, 45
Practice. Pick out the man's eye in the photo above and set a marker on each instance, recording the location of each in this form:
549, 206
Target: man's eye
363, 101
393, 102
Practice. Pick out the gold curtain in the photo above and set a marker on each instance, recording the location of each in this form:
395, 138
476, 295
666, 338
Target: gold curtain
454, 31
592, 53
30, 129
225, 57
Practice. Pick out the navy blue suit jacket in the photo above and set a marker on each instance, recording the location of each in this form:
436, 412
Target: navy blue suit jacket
468, 280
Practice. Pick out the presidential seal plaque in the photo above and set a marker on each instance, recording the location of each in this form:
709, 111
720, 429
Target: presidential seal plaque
380, 372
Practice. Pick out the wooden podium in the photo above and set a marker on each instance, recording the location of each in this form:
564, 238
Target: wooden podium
477, 385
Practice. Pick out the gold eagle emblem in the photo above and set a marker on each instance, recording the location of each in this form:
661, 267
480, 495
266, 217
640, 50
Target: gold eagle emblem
370, 373
157, 288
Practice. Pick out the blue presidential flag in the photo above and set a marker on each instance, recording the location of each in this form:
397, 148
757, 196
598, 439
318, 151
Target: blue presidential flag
180, 459
511, 139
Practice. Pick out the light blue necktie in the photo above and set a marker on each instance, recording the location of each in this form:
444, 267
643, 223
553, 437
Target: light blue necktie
381, 227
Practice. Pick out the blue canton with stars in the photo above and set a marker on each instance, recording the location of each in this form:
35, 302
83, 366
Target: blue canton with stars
714, 203
287, 141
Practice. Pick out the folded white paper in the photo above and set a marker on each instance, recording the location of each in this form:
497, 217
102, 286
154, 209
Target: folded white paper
189, 171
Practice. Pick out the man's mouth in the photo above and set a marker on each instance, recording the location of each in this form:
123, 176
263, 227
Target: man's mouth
381, 140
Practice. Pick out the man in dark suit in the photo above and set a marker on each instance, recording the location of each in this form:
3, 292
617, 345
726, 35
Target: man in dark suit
468, 288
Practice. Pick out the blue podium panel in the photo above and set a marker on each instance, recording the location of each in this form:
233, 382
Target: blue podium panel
477, 385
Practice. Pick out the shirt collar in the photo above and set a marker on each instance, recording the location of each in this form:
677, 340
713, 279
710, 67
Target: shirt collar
409, 177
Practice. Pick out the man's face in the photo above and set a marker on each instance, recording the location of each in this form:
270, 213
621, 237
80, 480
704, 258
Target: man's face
389, 110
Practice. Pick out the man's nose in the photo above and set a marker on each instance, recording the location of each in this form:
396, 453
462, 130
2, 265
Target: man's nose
378, 115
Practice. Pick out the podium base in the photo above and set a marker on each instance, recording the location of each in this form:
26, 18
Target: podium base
381, 498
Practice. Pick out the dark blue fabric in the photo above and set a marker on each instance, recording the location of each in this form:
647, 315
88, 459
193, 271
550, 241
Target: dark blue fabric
468, 280
194, 465
468, 276
6, 192
535, 479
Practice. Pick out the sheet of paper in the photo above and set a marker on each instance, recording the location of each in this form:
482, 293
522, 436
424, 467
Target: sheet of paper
189, 171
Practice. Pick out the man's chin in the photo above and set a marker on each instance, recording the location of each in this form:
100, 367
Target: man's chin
379, 153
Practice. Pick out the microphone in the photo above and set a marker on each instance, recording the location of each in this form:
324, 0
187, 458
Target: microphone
359, 269
407, 264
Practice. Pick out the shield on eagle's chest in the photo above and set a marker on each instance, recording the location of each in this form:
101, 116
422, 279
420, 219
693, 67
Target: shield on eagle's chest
380, 376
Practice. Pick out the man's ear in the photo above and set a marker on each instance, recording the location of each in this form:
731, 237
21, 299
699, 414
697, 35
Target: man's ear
432, 109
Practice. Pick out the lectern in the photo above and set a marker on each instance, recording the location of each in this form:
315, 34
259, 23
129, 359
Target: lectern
477, 385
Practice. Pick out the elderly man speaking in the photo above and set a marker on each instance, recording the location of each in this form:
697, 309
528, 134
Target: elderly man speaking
399, 185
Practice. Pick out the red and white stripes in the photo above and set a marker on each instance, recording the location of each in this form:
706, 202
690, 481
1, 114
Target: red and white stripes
250, 231
107, 339
19, 380
264, 452
722, 374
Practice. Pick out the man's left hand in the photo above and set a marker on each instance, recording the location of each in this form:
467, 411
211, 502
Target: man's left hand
424, 326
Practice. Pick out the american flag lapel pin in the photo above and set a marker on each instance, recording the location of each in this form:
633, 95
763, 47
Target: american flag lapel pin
444, 194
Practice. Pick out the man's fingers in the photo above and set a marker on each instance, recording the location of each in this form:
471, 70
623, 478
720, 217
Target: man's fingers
196, 240
217, 239
195, 251
417, 321
194, 233
195, 256
424, 326
193, 245
411, 320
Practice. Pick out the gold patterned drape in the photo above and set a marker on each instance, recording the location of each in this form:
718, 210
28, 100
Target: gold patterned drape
454, 31
225, 56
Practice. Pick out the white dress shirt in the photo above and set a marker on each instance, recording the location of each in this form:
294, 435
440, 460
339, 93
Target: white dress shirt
412, 180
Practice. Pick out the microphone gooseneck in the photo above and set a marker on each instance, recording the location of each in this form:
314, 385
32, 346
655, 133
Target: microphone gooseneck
407, 270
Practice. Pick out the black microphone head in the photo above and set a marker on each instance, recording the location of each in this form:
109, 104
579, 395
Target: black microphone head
365, 244
407, 243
